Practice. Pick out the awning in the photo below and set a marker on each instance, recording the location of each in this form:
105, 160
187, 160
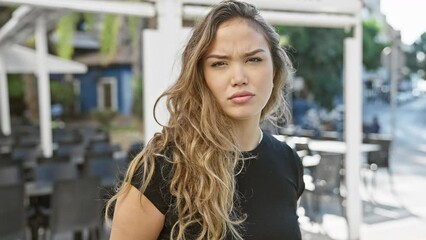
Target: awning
22, 60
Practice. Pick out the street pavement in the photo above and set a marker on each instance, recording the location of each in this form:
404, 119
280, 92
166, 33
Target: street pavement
396, 207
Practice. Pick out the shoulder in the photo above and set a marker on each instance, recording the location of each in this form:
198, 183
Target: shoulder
274, 147
291, 162
271, 143
162, 168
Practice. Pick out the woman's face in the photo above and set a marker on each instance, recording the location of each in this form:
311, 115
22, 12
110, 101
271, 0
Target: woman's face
238, 70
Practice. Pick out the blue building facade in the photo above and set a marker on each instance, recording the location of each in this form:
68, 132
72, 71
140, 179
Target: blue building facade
106, 88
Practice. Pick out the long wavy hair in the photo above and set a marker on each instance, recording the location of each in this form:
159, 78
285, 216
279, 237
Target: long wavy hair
204, 155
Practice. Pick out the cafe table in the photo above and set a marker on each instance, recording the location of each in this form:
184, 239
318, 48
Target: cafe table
326, 145
38, 189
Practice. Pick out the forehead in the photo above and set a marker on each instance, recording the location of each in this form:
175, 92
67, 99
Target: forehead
238, 32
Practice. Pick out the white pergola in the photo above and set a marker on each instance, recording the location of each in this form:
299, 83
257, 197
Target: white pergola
162, 47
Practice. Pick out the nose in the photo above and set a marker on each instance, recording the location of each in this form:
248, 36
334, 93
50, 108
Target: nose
239, 76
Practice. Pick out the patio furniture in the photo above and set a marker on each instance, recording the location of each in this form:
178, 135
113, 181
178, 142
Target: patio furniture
325, 181
75, 208
12, 212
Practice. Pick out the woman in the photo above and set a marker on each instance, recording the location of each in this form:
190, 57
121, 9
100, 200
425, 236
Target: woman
212, 173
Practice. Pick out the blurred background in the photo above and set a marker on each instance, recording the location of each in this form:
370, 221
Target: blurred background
96, 79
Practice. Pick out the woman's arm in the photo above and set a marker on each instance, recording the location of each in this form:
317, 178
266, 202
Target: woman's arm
136, 218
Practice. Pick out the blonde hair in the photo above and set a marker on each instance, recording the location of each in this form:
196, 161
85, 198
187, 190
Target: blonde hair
204, 156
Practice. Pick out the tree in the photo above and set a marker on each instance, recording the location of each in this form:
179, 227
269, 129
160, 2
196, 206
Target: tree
108, 35
371, 47
317, 55
5, 14
415, 55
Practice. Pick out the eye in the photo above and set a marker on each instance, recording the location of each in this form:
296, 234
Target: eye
254, 59
218, 64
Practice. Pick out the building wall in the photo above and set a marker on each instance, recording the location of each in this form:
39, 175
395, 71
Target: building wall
90, 81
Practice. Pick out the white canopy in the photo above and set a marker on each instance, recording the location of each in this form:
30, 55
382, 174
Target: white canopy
22, 60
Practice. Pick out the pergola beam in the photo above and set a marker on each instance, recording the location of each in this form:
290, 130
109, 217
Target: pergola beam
4, 98
319, 6
21, 17
21, 25
43, 87
288, 18
141, 9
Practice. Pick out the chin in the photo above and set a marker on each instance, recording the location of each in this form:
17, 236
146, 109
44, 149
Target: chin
242, 116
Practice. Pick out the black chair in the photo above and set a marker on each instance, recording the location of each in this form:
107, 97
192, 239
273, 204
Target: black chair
6, 162
66, 136
101, 149
70, 150
326, 181
379, 159
99, 136
29, 140
25, 154
48, 173
108, 170
75, 208
12, 212
53, 171
10, 175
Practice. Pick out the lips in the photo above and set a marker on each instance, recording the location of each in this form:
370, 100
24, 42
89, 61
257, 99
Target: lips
241, 97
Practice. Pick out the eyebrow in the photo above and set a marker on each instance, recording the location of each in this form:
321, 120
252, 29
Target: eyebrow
248, 54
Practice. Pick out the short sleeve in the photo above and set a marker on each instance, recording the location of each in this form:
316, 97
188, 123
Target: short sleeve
300, 182
158, 189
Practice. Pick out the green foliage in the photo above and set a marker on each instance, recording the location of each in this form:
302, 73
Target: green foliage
104, 117
371, 48
317, 55
109, 34
63, 93
138, 96
417, 48
134, 29
5, 14
65, 31
89, 20
16, 86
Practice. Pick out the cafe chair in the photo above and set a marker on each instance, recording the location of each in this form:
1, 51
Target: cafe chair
12, 212
10, 175
379, 159
52, 171
102, 168
70, 150
66, 136
24, 153
76, 208
48, 173
325, 181
101, 149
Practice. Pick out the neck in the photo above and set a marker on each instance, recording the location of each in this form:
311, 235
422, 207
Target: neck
248, 135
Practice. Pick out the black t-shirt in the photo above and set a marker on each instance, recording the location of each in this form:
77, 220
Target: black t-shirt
269, 186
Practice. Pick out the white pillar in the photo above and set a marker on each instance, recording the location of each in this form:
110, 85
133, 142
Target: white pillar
4, 98
394, 77
353, 130
45, 118
161, 54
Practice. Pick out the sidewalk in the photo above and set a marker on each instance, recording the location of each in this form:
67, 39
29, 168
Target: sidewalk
395, 208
